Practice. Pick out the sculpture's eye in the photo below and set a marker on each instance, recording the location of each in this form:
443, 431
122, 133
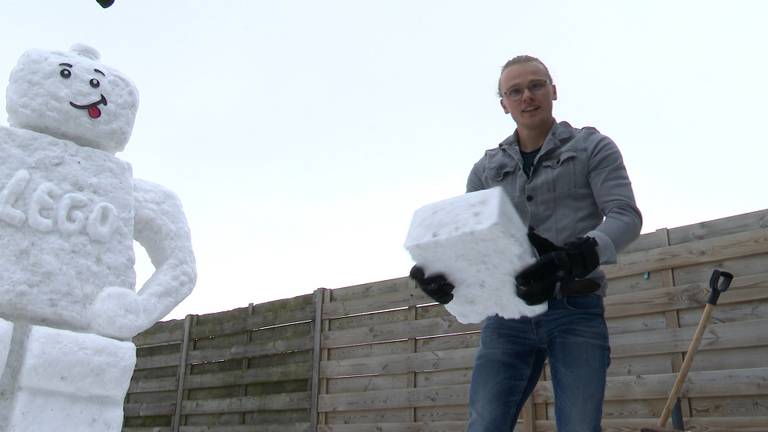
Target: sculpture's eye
94, 83
65, 73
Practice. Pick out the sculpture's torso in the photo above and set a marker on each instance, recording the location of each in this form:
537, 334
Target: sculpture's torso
66, 228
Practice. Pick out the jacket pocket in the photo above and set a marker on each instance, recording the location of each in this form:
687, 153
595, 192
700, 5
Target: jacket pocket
562, 170
498, 172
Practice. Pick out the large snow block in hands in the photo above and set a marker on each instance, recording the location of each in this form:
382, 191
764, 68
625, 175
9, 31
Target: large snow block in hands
479, 243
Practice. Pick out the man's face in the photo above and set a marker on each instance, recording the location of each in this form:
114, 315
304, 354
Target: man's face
527, 95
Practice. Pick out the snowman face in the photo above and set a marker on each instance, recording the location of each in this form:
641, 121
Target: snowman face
72, 97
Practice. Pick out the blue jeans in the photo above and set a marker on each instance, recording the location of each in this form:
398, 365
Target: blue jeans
573, 334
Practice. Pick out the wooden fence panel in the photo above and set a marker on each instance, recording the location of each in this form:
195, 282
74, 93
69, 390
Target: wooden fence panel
244, 369
381, 357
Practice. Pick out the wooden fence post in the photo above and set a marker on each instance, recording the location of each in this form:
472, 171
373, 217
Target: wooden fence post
181, 374
246, 362
413, 347
529, 415
672, 320
317, 329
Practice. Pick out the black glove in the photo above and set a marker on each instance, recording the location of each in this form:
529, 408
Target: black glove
436, 286
537, 282
105, 3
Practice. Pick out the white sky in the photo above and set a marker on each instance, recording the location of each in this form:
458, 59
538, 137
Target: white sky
301, 135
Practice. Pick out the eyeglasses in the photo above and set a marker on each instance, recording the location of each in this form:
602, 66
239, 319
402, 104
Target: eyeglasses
516, 93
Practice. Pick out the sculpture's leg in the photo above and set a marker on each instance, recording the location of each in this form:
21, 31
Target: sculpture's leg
71, 382
13, 339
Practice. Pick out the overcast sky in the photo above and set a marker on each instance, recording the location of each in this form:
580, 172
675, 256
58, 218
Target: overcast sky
301, 135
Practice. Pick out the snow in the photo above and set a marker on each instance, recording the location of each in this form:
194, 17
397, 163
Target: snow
39, 98
479, 243
69, 213
52, 266
87, 385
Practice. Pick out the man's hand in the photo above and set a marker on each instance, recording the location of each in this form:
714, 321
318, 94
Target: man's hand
537, 282
437, 286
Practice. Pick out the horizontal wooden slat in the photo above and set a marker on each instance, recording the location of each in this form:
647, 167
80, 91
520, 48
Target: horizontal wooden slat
716, 336
153, 384
294, 427
251, 350
393, 300
741, 382
446, 426
746, 288
274, 313
709, 250
161, 333
737, 382
235, 352
148, 409
276, 402
240, 377
399, 363
370, 290
288, 372
719, 227
418, 397
695, 424
147, 429
157, 361
395, 331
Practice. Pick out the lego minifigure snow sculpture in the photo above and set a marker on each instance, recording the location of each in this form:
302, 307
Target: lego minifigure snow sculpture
69, 213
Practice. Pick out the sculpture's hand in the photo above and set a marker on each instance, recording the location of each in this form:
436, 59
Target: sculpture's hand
118, 313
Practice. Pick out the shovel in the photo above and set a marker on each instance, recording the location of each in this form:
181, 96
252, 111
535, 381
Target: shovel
718, 283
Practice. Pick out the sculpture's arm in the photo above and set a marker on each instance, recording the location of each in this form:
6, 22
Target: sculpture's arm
161, 228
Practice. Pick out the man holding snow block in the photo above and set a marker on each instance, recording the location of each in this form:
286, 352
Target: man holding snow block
570, 187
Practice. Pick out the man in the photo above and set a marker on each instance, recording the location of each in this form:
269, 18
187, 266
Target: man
571, 187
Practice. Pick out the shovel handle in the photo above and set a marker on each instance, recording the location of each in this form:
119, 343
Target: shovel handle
673, 395
718, 283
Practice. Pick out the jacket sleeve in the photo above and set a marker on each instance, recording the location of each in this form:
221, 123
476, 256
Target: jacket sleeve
475, 180
613, 194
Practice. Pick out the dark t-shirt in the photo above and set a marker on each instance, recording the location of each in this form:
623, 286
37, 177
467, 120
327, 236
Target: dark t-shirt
528, 158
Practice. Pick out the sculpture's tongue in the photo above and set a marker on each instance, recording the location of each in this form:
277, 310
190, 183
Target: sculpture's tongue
94, 112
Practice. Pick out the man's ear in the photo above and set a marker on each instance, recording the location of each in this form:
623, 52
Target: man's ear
504, 107
554, 92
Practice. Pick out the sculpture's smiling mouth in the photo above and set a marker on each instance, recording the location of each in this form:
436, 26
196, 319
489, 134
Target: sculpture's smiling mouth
93, 108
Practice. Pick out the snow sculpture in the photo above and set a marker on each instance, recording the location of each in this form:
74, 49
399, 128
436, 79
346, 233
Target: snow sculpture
69, 212
479, 243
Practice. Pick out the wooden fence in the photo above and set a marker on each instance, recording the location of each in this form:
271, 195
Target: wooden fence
379, 357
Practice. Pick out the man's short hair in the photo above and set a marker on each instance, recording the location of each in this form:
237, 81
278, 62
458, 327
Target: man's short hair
520, 60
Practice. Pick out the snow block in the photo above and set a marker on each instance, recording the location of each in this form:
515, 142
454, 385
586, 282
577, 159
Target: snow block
479, 243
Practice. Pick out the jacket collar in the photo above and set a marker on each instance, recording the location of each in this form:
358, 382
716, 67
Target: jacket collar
560, 134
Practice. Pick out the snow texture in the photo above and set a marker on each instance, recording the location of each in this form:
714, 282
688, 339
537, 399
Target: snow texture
6, 332
86, 386
479, 243
66, 228
44, 85
69, 213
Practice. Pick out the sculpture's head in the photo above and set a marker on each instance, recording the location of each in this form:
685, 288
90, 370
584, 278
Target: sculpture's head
70, 95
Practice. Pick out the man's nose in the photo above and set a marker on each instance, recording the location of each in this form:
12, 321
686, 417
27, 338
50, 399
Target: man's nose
527, 94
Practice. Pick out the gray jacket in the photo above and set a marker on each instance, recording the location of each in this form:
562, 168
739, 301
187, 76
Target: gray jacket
578, 186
